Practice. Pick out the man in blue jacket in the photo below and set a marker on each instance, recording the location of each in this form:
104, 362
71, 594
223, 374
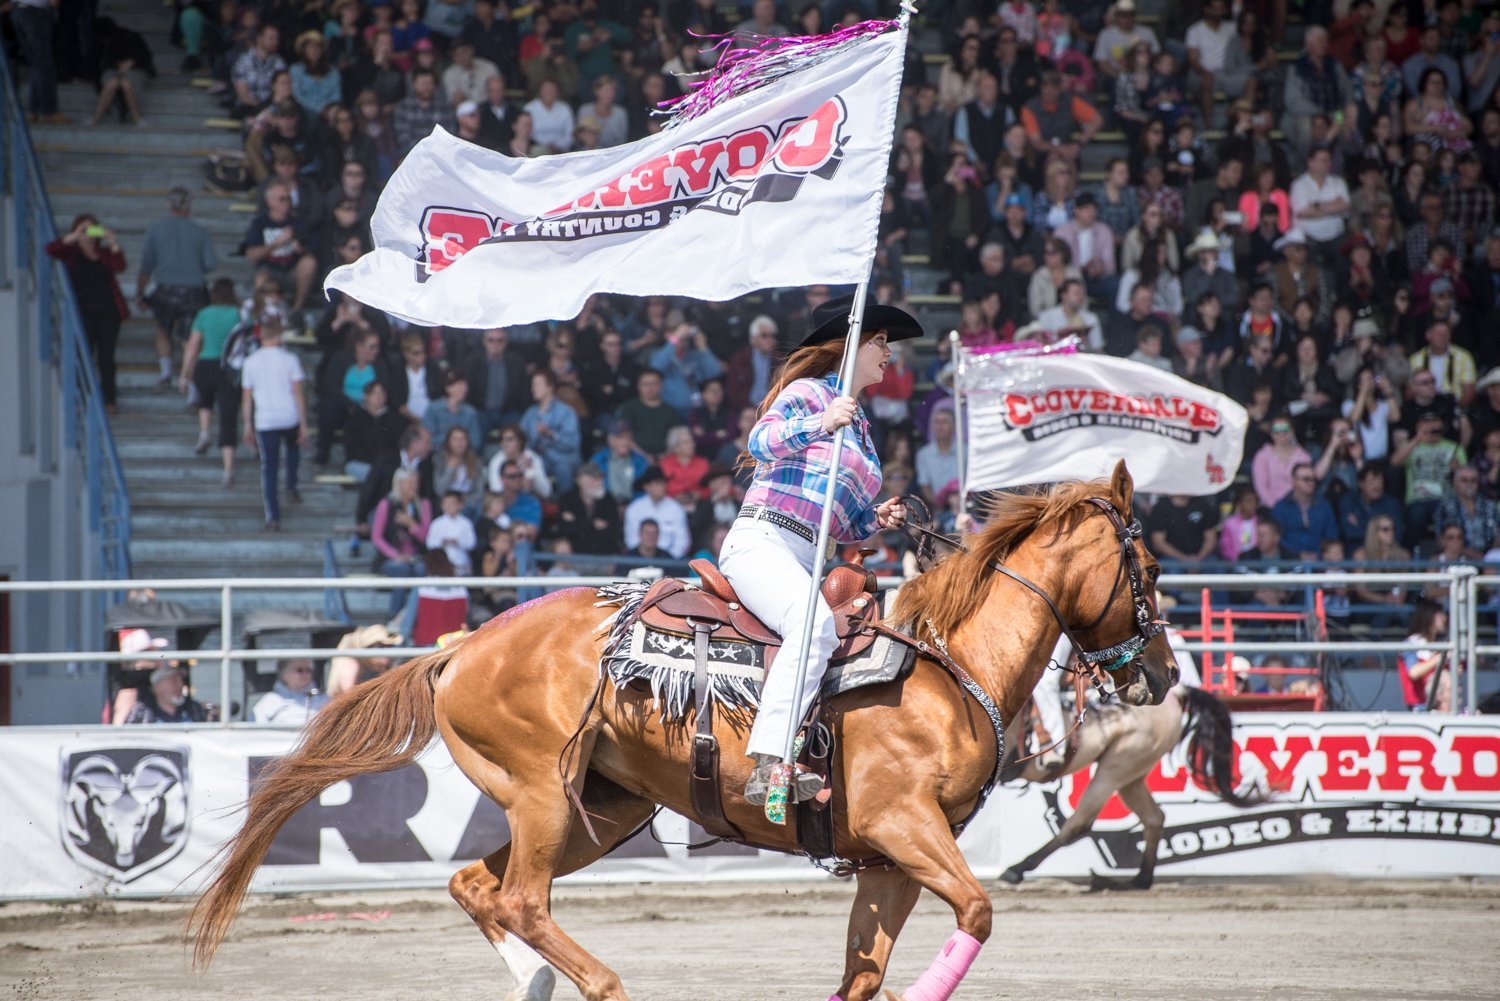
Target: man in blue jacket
1306, 519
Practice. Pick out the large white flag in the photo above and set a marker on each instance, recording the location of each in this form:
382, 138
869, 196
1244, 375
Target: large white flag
1036, 418
779, 186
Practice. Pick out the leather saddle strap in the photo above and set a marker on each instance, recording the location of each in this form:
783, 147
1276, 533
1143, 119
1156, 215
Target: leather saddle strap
703, 785
814, 819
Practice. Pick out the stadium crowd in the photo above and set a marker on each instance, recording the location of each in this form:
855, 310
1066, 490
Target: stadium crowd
1310, 229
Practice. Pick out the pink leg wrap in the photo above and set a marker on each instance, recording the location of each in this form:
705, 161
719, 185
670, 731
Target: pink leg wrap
947, 970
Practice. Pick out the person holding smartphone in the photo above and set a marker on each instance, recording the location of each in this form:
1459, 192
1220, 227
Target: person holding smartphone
92, 256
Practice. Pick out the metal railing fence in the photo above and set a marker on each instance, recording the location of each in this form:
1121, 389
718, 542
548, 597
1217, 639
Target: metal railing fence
1468, 593
61, 345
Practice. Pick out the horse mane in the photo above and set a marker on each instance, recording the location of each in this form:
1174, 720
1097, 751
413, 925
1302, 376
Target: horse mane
952, 592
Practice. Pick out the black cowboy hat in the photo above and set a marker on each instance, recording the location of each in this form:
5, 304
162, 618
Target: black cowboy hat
830, 321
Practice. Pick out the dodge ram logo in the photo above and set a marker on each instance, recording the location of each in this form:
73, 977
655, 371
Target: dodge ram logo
124, 809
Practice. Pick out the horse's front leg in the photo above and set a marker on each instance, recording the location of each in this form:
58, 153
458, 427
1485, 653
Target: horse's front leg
882, 900
920, 841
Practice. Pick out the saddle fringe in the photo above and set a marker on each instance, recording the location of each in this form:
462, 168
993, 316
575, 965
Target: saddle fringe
671, 691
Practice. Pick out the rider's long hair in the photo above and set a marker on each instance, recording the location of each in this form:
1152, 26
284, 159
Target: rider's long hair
809, 362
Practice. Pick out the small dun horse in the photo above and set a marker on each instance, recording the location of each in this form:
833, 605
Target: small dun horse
524, 699
1127, 743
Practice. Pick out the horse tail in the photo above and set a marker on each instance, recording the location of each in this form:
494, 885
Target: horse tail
1211, 748
374, 727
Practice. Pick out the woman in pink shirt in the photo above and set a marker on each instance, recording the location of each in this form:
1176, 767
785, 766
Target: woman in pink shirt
1237, 534
1265, 195
1271, 469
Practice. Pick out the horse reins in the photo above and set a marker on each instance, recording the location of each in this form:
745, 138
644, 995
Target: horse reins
1095, 664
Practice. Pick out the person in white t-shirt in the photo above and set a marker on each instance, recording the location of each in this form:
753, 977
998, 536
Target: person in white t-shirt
275, 413
1320, 206
453, 533
552, 119
1207, 42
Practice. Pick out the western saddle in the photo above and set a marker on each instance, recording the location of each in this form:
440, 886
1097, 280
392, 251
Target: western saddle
673, 606
714, 611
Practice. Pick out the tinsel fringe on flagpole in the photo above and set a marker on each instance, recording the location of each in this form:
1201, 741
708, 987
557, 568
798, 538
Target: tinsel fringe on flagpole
743, 70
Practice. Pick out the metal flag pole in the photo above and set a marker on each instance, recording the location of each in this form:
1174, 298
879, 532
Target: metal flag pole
956, 358
781, 778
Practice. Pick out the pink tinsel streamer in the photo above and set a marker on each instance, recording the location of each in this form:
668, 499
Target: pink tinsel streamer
742, 70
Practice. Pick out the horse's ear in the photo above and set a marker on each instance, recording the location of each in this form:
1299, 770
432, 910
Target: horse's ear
1122, 489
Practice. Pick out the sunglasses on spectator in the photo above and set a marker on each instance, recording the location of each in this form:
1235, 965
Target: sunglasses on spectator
1279, 428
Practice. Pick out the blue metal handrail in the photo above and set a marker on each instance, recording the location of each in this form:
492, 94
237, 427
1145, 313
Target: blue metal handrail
61, 341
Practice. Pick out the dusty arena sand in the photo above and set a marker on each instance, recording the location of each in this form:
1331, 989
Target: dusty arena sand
1053, 941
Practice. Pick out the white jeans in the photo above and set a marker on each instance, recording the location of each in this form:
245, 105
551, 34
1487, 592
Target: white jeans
771, 570
1049, 697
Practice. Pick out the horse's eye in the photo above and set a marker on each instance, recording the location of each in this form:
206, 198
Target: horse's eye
1154, 573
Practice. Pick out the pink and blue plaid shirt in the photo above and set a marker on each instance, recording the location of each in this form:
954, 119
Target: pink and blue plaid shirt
791, 452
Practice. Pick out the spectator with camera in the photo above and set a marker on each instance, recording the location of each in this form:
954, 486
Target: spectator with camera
92, 256
1430, 460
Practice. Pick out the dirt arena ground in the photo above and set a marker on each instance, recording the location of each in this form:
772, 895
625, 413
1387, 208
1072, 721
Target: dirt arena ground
1053, 941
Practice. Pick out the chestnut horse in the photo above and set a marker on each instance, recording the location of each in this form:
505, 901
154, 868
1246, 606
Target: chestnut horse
1127, 743
523, 699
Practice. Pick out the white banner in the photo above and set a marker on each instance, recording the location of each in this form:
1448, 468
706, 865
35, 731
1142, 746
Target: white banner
781, 186
1036, 418
136, 811
1414, 795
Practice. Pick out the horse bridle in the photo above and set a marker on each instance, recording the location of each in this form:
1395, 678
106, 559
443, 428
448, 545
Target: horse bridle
1148, 624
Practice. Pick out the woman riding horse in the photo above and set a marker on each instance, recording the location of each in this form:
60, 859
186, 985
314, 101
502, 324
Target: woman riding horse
579, 763
768, 555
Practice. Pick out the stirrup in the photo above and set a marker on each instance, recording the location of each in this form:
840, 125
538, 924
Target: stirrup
807, 785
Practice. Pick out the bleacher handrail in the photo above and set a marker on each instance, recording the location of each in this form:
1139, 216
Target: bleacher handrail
86, 429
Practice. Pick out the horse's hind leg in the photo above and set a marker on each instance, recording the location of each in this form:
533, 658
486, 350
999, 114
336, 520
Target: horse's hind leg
1138, 797
615, 814
542, 823
882, 901
1094, 797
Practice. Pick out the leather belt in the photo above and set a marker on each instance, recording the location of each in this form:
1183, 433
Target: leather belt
759, 512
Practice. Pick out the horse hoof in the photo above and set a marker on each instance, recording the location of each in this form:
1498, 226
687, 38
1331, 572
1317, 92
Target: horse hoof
1098, 883
540, 988
1013, 876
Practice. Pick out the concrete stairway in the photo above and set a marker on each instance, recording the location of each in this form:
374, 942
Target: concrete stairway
184, 523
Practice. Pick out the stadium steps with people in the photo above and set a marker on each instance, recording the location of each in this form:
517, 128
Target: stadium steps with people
184, 523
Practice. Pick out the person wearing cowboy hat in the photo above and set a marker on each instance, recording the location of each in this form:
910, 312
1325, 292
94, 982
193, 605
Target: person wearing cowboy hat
1206, 273
167, 700
1121, 33
346, 672
316, 82
1297, 277
654, 505
769, 555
